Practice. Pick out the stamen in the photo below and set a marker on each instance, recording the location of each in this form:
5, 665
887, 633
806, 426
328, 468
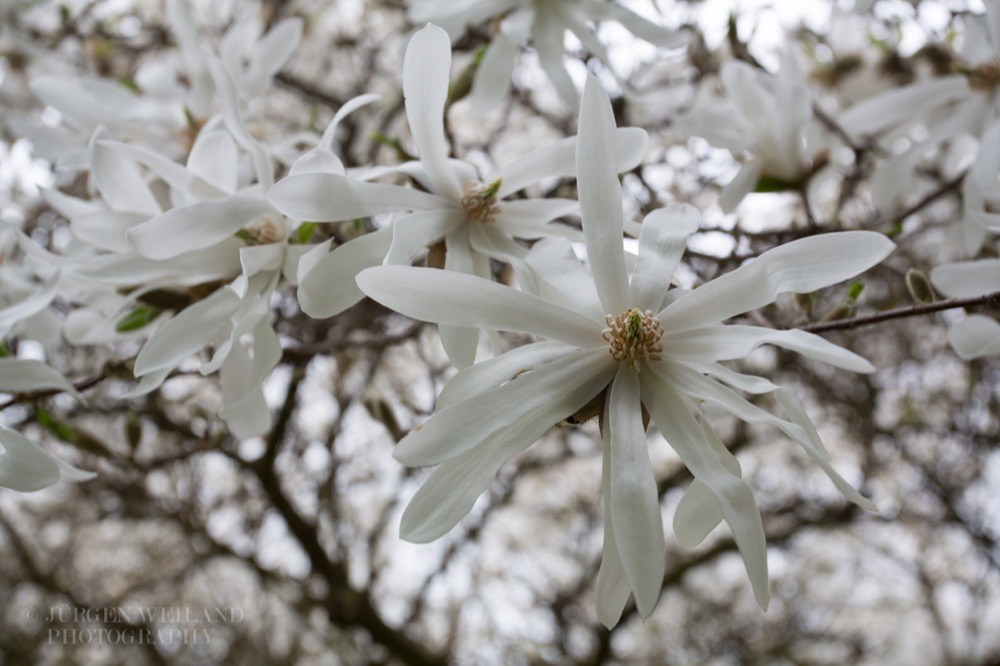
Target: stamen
480, 201
263, 231
634, 336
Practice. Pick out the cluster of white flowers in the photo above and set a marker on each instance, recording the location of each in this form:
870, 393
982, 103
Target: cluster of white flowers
183, 246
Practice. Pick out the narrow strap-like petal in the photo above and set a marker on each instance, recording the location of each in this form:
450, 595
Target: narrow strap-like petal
662, 240
601, 198
635, 505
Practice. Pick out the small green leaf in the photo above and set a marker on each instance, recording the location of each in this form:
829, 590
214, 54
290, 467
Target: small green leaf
305, 232
772, 184
403, 154
4, 352
856, 288
140, 316
463, 84
53, 425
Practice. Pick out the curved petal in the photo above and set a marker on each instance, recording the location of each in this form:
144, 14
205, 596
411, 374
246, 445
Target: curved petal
635, 504
327, 197
561, 278
118, 180
23, 375
490, 374
967, 279
801, 266
25, 466
327, 278
444, 297
448, 495
612, 588
548, 42
215, 159
736, 501
902, 104
187, 333
491, 83
698, 512
412, 233
662, 240
529, 218
545, 390
459, 342
426, 70
558, 160
601, 198
107, 229
724, 343
740, 186
195, 227
974, 337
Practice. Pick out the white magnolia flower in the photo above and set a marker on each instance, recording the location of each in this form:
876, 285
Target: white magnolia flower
544, 23
470, 215
611, 333
763, 114
950, 106
976, 335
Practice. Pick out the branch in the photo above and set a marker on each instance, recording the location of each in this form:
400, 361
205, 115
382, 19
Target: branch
899, 313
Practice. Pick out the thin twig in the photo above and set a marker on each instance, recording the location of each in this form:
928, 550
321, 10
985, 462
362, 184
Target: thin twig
899, 313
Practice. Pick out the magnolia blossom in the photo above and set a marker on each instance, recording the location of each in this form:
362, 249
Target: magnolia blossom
544, 23
157, 110
961, 103
470, 215
977, 335
763, 114
611, 338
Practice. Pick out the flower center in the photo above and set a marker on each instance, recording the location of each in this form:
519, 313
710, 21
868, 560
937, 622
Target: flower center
634, 336
480, 201
984, 77
263, 231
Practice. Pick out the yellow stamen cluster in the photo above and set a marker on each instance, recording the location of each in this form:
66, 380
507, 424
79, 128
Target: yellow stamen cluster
634, 336
480, 201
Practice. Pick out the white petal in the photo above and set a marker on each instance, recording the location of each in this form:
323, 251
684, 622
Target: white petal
975, 336
106, 229
814, 447
490, 374
459, 342
747, 383
491, 83
662, 241
173, 174
987, 163
635, 505
350, 106
326, 279
556, 389
558, 160
229, 100
185, 334
801, 266
529, 218
118, 179
560, 277
29, 306
325, 197
697, 514
736, 501
22, 375
214, 158
442, 297
601, 198
426, 70
195, 227
270, 55
902, 104
725, 343
218, 262
640, 27
740, 186
25, 466
548, 42
412, 233
612, 588
967, 279
452, 489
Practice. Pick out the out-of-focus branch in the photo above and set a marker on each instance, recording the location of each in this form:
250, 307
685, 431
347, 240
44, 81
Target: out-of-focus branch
900, 313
